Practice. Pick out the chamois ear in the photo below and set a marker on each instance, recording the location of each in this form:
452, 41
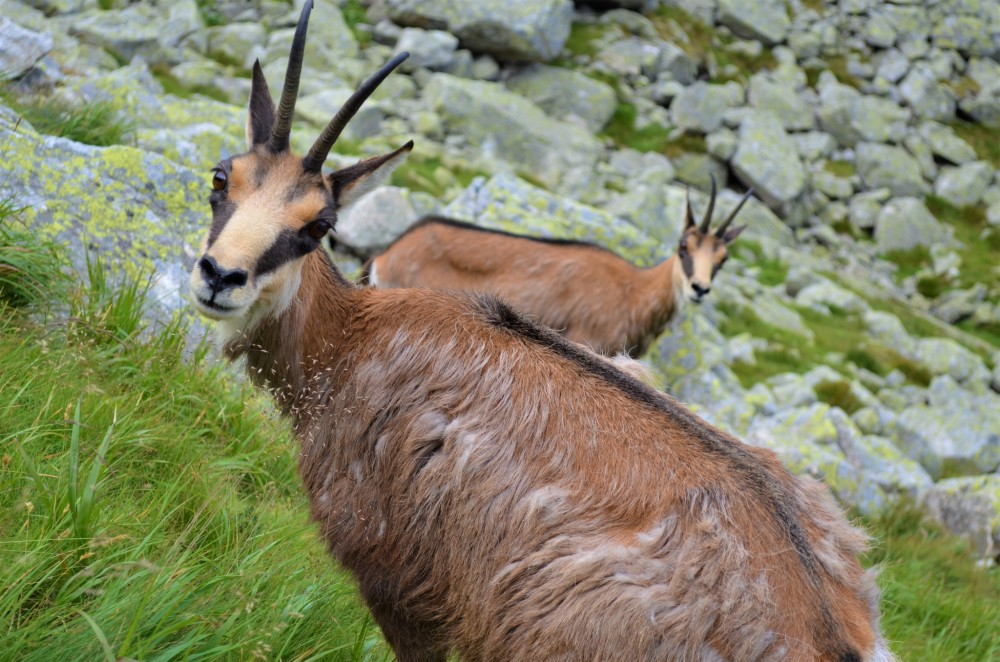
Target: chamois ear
352, 182
260, 111
729, 236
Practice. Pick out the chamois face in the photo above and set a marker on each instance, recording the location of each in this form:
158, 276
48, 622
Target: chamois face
702, 253
271, 208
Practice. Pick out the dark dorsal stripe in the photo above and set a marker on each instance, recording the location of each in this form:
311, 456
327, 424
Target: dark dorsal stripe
462, 225
765, 485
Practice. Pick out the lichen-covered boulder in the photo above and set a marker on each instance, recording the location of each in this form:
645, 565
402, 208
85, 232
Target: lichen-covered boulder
764, 20
376, 220
956, 433
505, 202
140, 29
232, 43
851, 117
701, 107
766, 94
20, 48
964, 185
825, 296
969, 507
945, 144
433, 49
905, 223
890, 167
511, 127
926, 96
984, 107
968, 34
514, 30
768, 160
135, 209
566, 94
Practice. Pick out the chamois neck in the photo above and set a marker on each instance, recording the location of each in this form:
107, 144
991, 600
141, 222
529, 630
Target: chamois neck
660, 298
285, 352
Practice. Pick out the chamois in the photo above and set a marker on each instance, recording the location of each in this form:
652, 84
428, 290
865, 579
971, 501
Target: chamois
499, 492
585, 292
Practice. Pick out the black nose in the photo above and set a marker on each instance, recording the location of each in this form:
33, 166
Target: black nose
700, 290
220, 279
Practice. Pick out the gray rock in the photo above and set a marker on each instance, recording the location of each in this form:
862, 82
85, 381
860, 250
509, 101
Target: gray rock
945, 144
20, 48
767, 159
814, 145
838, 188
879, 31
864, 209
139, 211
928, 98
701, 106
231, 44
721, 144
984, 108
765, 20
852, 117
984, 71
374, 221
921, 151
386, 32
993, 214
505, 202
765, 94
331, 51
566, 94
152, 32
514, 30
892, 66
677, 64
433, 49
631, 57
698, 170
964, 185
888, 330
905, 223
890, 167
957, 433
969, 507
944, 356
511, 127
319, 108
957, 305
826, 296
967, 34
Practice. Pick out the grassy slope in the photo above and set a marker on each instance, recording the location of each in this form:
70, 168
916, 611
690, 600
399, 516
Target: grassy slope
190, 541
149, 508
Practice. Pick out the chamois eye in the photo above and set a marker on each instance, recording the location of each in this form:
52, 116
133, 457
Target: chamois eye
219, 180
318, 229
683, 246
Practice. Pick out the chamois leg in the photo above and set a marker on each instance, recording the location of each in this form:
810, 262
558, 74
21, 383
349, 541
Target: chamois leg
411, 642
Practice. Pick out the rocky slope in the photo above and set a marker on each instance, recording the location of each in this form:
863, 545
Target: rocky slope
857, 332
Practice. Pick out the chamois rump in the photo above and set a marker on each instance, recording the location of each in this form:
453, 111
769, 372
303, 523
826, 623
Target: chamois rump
498, 491
585, 292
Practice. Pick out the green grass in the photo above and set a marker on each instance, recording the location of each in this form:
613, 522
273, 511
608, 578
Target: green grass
150, 510
355, 14
431, 175
837, 393
210, 13
622, 130
700, 41
772, 270
837, 65
149, 507
95, 123
839, 168
936, 605
29, 269
584, 39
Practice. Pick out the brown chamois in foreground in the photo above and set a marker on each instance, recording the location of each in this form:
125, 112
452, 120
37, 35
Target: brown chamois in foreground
499, 492
585, 292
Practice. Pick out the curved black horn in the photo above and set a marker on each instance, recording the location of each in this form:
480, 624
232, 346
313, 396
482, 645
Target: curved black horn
729, 219
708, 212
286, 107
321, 148
688, 213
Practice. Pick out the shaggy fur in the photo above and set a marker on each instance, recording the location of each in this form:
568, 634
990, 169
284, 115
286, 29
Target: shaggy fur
502, 493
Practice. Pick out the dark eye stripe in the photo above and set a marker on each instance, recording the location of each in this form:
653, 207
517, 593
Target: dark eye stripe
222, 211
287, 247
687, 262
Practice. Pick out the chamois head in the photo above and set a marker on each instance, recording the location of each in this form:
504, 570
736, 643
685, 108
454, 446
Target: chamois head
271, 208
702, 253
